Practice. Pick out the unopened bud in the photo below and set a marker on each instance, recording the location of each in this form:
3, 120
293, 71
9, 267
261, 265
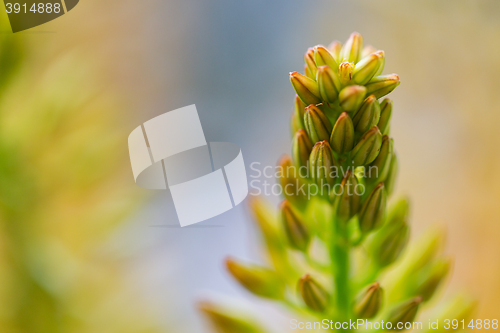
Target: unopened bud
317, 125
306, 88
335, 48
301, 148
345, 72
310, 62
295, 228
351, 52
313, 294
322, 164
382, 64
404, 313
387, 244
258, 280
227, 320
367, 116
367, 67
342, 138
290, 181
367, 148
369, 301
328, 83
385, 116
433, 279
351, 98
295, 123
379, 169
390, 181
372, 213
299, 110
382, 85
323, 57
347, 199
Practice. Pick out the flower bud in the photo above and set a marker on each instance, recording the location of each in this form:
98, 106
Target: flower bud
385, 116
351, 52
368, 49
342, 138
404, 313
399, 213
335, 48
322, 57
379, 169
299, 110
367, 116
372, 213
387, 244
301, 148
295, 228
345, 72
433, 279
369, 301
306, 88
351, 97
313, 294
367, 148
227, 320
328, 83
290, 181
382, 85
322, 164
347, 199
308, 73
367, 67
258, 280
317, 125
295, 124
382, 63
310, 63
390, 181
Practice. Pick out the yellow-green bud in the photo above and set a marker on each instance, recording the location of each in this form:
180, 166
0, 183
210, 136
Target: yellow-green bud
367, 148
335, 47
299, 110
351, 98
295, 124
301, 148
313, 294
347, 199
317, 125
328, 83
367, 116
385, 116
387, 244
369, 301
433, 278
390, 181
345, 72
382, 85
310, 63
367, 67
404, 313
342, 138
258, 280
322, 164
351, 52
323, 57
227, 320
372, 213
306, 88
379, 169
295, 228
382, 63
290, 181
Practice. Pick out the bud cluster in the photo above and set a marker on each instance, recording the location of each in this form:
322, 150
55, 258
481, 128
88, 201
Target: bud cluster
327, 252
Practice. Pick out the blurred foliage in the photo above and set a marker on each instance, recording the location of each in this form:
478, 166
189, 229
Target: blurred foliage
62, 196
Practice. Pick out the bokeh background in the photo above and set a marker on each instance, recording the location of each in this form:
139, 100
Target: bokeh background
83, 249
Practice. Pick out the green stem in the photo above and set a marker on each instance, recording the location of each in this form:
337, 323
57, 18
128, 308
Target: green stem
340, 257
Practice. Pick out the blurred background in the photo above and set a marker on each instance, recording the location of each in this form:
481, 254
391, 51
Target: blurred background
83, 249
